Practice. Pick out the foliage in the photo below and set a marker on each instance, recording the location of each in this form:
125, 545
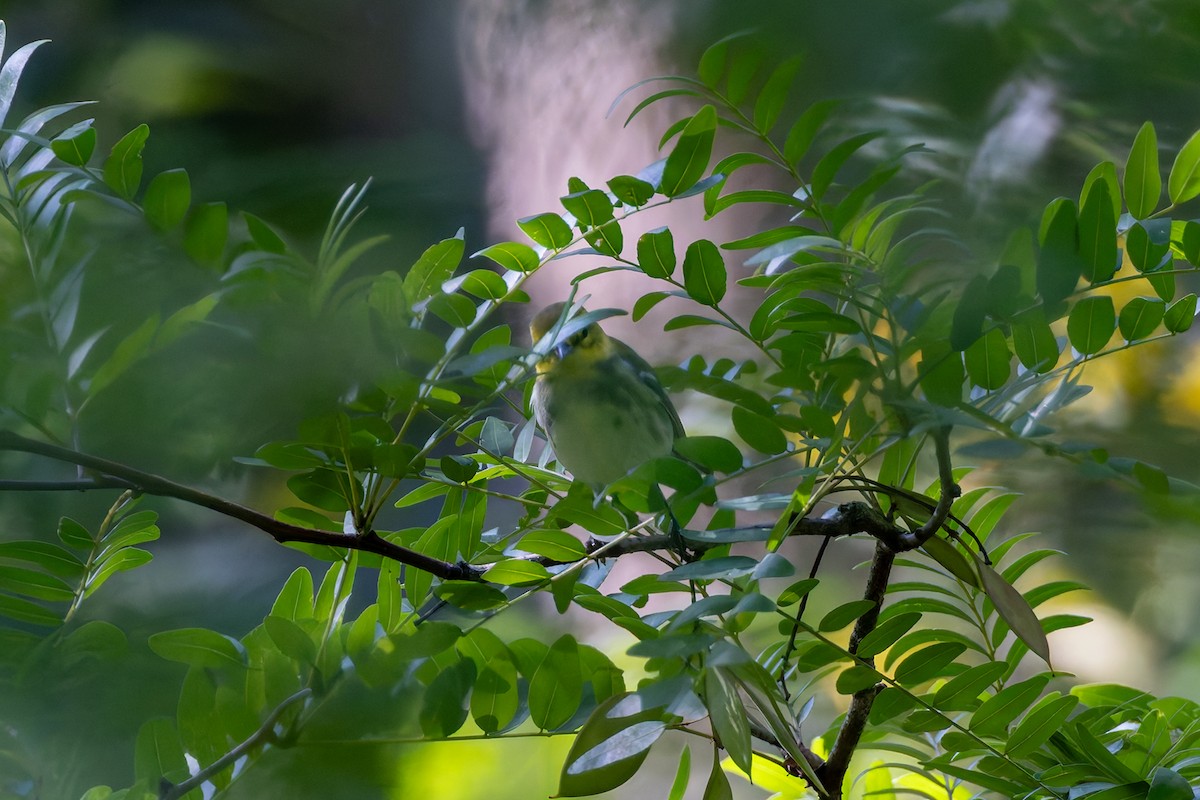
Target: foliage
867, 354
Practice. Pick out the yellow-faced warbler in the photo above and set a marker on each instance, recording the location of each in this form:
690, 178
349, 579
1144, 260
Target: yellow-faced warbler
599, 403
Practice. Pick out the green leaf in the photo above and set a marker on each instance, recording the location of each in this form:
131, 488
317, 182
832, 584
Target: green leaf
942, 374
34, 583
711, 569
989, 361
714, 453
798, 590
495, 699
656, 253
728, 715
122, 560
928, 663
553, 544
704, 275
510, 255
123, 167
806, 128
158, 753
445, 708
1148, 251
832, 162
433, 268
295, 600
27, 611
548, 230
47, 555
608, 750
1140, 317
206, 233
1034, 341
556, 686
1091, 324
886, 633
516, 572
761, 433
1098, 234
993, 716
1184, 181
856, 678
1106, 173
774, 93
717, 787
590, 207
74, 535
1015, 610
1042, 722
1168, 784
1180, 314
265, 238
1059, 263
630, 190
961, 693
453, 309
291, 639
128, 351
1143, 183
602, 520
167, 199
844, 614
688, 161
198, 647
78, 149
96, 639
969, 314
607, 239
951, 558
682, 774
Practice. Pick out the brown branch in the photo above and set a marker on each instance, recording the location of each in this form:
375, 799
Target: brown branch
833, 772
116, 475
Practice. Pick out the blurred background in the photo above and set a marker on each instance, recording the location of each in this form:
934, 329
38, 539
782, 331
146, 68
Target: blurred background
475, 112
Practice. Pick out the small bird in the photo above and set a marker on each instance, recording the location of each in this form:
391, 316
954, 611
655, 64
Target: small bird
599, 403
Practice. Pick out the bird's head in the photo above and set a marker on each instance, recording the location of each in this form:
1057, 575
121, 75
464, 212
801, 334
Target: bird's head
579, 349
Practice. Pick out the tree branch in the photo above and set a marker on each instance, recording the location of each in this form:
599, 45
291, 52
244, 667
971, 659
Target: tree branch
833, 772
116, 475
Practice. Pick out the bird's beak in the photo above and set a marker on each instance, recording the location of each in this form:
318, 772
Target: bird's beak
561, 349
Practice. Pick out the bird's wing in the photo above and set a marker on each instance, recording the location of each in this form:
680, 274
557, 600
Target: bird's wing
646, 375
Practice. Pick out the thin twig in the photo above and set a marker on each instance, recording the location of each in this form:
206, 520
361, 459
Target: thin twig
113, 474
265, 733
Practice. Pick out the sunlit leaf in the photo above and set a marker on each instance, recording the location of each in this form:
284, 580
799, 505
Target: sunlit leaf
433, 268
1143, 183
548, 230
198, 647
1091, 324
1184, 181
996, 712
1042, 722
1140, 317
123, 167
